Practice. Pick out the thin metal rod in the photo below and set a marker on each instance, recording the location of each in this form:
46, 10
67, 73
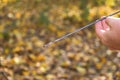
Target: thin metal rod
69, 34
5, 76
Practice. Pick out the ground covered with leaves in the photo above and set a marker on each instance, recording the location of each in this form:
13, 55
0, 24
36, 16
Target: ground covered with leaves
25, 26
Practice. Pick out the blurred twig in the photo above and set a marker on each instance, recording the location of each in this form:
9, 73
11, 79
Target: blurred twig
2, 70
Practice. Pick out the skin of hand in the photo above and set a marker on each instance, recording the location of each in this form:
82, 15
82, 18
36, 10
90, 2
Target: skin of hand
108, 30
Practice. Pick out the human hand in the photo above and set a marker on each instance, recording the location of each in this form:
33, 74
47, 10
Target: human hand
108, 30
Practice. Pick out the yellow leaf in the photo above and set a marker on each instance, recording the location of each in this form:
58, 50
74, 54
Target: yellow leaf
6, 50
25, 73
52, 28
1, 28
50, 77
18, 15
110, 2
60, 33
17, 49
99, 65
103, 60
76, 41
71, 55
33, 57
5, 1
17, 60
41, 58
81, 70
66, 63
38, 43
89, 34
118, 74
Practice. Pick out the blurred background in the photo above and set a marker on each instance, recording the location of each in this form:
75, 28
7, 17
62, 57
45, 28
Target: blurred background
26, 25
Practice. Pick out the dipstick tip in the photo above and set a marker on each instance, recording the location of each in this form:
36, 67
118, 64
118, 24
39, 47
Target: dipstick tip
47, 45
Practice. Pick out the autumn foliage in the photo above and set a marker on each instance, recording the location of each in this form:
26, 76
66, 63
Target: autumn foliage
26, 25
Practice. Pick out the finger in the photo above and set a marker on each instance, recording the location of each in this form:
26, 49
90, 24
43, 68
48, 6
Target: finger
112, 21
99, 29
105, 25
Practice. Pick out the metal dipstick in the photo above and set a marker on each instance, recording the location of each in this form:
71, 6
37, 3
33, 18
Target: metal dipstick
77, 30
